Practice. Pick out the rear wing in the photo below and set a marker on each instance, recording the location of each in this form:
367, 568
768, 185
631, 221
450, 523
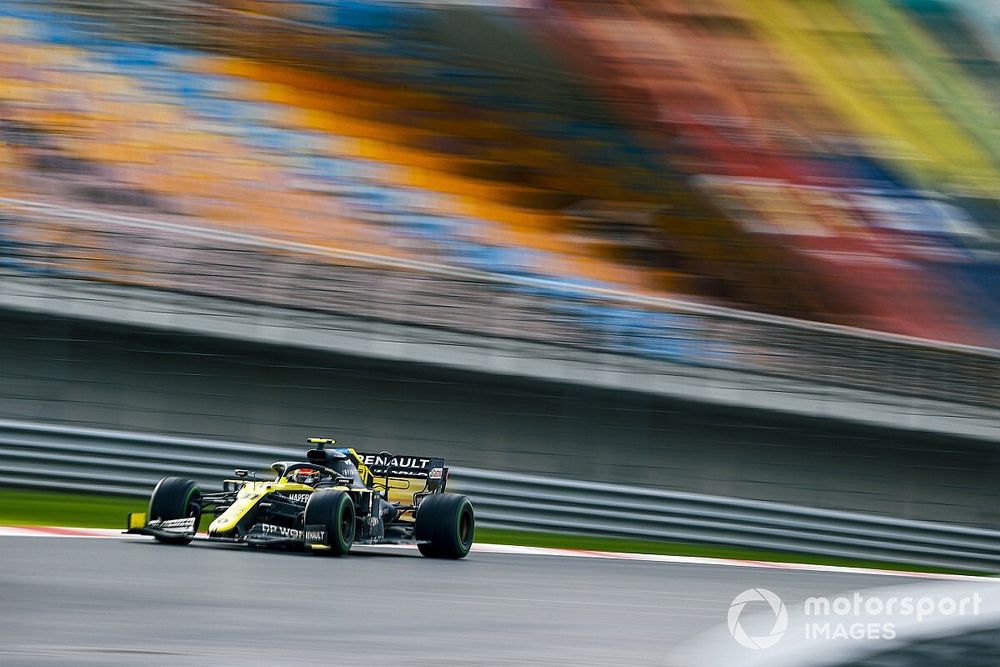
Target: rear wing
405, 478
377, 467
412, 467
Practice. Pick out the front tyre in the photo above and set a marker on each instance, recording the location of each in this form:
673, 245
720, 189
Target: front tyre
333, 510
445, 526
175, 498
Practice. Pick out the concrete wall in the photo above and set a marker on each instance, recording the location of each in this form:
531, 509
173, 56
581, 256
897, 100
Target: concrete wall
74, 372
814, 391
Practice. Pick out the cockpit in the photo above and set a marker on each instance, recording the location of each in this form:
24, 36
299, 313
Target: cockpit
340, 470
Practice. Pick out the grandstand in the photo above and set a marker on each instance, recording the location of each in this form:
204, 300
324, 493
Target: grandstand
829, 160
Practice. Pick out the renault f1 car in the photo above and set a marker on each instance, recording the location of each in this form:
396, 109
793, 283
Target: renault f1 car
338, 497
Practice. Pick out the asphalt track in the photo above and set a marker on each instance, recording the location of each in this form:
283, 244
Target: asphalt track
92, 601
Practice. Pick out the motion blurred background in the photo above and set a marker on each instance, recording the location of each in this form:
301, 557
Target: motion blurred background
747, 249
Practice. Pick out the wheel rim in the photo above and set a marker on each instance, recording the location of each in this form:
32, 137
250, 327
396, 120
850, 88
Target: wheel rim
347, 524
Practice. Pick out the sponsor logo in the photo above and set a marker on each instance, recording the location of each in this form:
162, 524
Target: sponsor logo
316, 536
282, 531
436, 473
298, 497
395, 463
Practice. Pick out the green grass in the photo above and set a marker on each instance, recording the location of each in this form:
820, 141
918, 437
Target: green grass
627, 545
23, 507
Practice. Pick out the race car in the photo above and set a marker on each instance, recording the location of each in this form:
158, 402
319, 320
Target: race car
338, 497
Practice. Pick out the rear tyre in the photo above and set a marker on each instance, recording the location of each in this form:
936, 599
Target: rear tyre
446, 525
175, 498
335, 511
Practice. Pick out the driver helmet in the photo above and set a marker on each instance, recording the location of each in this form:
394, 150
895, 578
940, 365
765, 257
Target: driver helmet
309, 476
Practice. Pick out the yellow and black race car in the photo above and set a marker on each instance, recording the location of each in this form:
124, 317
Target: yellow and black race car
337, 498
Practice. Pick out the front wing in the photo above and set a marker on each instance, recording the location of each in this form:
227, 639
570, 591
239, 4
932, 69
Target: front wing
261, 534
175, 528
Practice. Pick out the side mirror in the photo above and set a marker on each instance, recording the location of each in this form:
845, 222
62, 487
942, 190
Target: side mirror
241, 473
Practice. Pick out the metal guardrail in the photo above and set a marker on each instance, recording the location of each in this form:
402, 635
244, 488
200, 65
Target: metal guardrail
71, 243
46, 456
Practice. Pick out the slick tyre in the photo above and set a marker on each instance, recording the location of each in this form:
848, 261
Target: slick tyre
333, 510
175, 498
446, 525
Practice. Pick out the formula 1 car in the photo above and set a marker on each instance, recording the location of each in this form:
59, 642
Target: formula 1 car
337, 498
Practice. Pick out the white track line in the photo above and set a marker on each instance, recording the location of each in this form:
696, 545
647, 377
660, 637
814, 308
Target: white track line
51, 531
107, 533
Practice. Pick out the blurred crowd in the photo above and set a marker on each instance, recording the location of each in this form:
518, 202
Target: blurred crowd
834, 160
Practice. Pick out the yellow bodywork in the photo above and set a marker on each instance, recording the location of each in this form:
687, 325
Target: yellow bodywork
247, 498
